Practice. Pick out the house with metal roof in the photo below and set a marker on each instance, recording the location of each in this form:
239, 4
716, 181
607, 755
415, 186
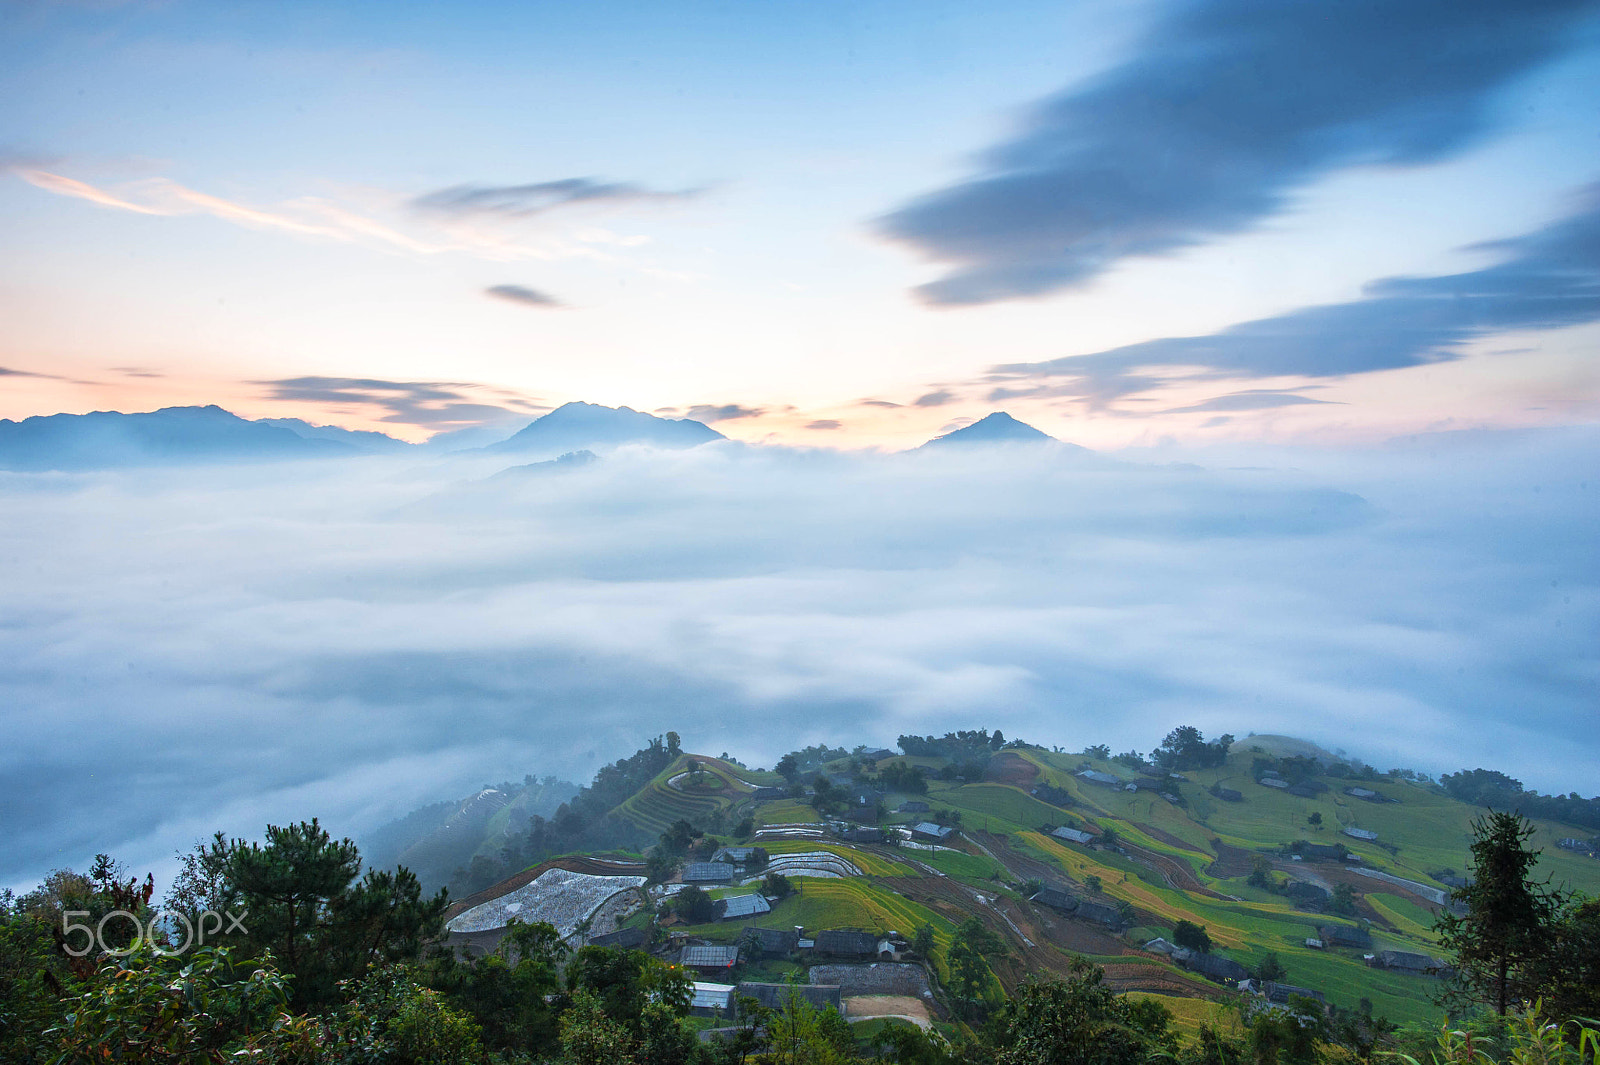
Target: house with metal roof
1056, 899
711, 999
845, 943
1361, 793
1281, 993
1344, 935
860, 834
927, 830
876, 755
1213, 966
768, 794
734, 855
771, 941
709, 959
622, 939
738, 907
1405, 961
1274, 782
708, 873
1099, 913
1094, 776
1073, 835
1361, 833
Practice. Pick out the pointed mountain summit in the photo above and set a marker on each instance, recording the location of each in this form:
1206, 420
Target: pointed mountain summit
591, 427
996, 428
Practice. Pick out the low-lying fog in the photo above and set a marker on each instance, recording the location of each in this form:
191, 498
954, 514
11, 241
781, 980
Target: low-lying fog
184, 650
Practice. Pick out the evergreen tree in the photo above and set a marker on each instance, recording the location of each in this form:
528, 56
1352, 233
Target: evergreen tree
1508, 921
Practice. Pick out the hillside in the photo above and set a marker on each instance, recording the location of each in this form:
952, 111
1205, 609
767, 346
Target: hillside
1160, 850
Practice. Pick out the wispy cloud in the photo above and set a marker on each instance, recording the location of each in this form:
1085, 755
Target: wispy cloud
825, 423
306, 217
485, 228
1548, 280
1223, 110
1249, 399
526, 201
439, 405
527, 297
723, 412
935, 399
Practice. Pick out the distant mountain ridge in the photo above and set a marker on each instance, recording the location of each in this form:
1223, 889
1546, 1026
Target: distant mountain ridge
169, 436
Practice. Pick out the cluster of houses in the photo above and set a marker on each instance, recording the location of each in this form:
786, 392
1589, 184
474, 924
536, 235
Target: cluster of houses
832, 944
1590, 847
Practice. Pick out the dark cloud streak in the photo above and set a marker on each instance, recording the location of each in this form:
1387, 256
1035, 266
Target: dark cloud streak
440, 405
1224, 110
1550, 280
525, 201
521, 294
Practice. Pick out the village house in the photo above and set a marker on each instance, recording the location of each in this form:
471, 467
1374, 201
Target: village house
1404, 961
622, 939
1073, 835
738, 907
775, 996
1344, 935
708, 873
1365, 834
1094, 776
912, 806
771, 942
711, 999
710, 960
845, 943
931, 833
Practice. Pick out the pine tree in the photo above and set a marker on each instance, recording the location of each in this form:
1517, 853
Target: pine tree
1505, 921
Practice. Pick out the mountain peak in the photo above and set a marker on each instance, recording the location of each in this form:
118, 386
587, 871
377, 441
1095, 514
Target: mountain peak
995, 428
580, 426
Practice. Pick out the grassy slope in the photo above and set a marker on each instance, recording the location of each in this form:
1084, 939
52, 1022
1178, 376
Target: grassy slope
1430, 830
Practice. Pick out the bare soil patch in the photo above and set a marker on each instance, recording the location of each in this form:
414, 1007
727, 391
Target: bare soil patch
1231, 862
1009, 768
865, 1007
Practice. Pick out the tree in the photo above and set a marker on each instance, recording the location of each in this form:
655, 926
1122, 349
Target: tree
1315, 819
695, 906
1193, 936
1098, 750
922, 940
788, 768
1080, 1021
1509, 921
1569, 976
969, 971
1091, 884
297, 896
1344, 899
1270, 968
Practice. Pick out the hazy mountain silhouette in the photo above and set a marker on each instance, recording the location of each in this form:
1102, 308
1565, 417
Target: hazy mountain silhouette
362, 439
169, 436
591, 427
996, 428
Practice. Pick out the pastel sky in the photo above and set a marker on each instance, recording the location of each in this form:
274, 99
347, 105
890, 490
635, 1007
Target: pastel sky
818, 223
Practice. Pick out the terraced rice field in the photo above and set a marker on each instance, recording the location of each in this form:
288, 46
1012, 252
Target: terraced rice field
559, 896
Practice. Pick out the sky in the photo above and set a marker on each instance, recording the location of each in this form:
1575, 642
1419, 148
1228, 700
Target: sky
824, 224
1318, 283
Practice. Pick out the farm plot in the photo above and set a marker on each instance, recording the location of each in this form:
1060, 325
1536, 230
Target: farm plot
559, 896
824, 864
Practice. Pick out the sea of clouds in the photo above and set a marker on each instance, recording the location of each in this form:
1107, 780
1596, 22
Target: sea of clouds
186, 650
